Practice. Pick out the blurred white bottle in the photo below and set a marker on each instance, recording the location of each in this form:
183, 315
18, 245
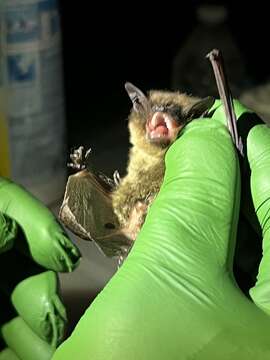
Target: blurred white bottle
32, 116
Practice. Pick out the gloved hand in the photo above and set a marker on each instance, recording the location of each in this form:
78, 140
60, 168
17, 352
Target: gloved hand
175, 297
33, 248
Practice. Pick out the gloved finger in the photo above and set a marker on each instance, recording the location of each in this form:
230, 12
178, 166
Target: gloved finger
46, 240
248, 252
36, 301
8, 354
60, 308
24, 342
258, 148
57, 326
8, 232
67, 253
28, 283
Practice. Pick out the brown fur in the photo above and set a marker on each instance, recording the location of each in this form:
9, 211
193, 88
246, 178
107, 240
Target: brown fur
146, 165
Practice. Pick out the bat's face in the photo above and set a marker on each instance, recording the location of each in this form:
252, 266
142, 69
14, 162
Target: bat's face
162, 127
158, 118
166, 117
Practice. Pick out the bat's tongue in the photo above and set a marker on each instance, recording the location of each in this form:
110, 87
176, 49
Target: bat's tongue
160, 130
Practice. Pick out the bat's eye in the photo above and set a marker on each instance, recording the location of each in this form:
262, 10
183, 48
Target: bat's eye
169, 107
109, 226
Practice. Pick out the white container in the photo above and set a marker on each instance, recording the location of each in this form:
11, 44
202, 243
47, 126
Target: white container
32, 117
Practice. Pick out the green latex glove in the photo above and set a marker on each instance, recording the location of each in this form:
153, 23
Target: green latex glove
17, 332
8, 232
259, 158
175, 297
45, 240
8, 354
33, 247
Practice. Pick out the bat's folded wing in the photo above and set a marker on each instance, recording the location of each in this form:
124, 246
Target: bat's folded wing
87, 212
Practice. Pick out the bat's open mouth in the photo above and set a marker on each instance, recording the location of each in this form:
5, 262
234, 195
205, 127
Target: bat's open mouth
162, 128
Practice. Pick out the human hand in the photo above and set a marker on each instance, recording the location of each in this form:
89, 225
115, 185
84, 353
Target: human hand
33, 248
175, 296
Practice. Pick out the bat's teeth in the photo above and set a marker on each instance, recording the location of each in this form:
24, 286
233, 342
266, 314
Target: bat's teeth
168, 123
158, 119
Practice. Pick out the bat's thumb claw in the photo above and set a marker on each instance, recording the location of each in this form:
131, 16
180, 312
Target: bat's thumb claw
116, 178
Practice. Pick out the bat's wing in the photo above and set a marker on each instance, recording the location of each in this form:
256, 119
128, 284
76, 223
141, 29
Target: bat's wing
87, 212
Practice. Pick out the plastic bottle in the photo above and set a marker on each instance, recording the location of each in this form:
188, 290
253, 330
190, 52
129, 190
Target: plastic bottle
192, 71
32, 117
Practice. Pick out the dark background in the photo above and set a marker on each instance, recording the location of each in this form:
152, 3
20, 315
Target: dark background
106, 45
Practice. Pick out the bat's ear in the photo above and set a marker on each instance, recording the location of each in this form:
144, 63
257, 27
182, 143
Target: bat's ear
200, 107
139, 100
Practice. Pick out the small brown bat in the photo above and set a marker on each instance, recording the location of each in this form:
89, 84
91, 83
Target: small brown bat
111, 212
113, 215
154, 124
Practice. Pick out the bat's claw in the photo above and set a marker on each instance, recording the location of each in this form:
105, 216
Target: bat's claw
124, 254
112, 183
116, 178
79, 158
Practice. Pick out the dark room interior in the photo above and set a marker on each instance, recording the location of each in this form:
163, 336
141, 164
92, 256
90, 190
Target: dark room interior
111, 44
163, 46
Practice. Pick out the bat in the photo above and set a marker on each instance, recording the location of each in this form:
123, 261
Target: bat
111, 212
154, 124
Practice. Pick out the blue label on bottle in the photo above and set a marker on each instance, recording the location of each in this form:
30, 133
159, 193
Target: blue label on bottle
21, 68
22, 24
